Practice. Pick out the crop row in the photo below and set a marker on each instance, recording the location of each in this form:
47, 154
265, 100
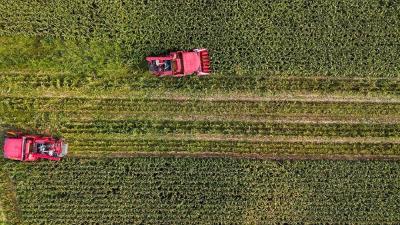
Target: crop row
187, 190
133, 126
202, 107
82, 145
8, 205
258, 84
336, 37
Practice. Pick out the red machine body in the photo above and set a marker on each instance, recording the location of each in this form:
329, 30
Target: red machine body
181, 63
33, 147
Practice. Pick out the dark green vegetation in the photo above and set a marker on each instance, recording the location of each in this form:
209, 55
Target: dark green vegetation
9, 212
335, 37
206, 191
29, 63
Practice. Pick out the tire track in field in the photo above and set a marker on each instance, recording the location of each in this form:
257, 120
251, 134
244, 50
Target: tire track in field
218, 76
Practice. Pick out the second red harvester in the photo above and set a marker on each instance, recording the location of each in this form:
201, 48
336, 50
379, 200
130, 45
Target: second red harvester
181, 63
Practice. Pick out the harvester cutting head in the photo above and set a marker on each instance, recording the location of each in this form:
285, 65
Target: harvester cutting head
24, 147
181, 63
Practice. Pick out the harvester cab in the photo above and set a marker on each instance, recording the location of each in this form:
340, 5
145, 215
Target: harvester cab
22, 147
160, 66
181, 63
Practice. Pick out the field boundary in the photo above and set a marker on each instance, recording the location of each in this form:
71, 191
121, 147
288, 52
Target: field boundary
254, 156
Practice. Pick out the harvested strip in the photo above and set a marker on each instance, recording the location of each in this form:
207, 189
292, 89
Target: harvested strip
89, 115
200, 106
220, 75
216, 83
189, 110
121, 138
225, 97
200, 110
207, 96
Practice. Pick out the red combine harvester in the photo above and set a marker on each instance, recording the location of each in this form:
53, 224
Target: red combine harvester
181, 63
18, 146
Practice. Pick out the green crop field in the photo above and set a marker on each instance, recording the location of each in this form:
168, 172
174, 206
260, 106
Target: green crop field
206, 191
294, 83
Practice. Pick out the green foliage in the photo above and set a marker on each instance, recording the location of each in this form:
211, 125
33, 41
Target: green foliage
99, 78
97, 48
58, 58
259, 47
192, 106
234, 127
87, 144
192, 191
337, 37
47, 62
